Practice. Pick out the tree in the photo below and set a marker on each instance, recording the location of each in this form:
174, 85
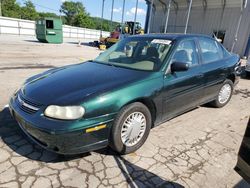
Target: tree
10, 8
29, 12
47, 14
106, 24
83, 20
75, 14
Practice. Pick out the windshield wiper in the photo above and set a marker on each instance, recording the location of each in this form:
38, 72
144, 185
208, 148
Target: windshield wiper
111, 64
105, 63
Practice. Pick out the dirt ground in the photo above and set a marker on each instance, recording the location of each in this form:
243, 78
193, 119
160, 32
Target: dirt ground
196, 149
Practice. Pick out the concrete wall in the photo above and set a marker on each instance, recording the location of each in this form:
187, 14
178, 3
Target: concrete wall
26, 27
205, 21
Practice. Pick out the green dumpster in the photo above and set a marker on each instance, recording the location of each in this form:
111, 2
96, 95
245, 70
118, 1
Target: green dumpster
49, 30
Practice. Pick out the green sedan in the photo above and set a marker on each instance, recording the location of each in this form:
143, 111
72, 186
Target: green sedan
114, 100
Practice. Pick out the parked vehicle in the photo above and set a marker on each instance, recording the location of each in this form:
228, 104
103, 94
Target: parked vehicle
243, 164
138, 83
121, 31
248, 67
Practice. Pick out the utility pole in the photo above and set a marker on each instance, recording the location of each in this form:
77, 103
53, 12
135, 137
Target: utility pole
112, 11
60, 10
102, 16
123, 7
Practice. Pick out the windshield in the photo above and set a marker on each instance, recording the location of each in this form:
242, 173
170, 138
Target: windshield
139, 53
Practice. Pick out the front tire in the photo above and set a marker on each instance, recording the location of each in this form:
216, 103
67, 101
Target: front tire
224, 94
131, 128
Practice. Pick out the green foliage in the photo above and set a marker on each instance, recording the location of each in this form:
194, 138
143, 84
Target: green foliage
10, 8
75, 13
47, 14
28, 11
83, 20
107, 25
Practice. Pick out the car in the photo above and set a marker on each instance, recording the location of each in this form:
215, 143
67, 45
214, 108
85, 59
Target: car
115, 99
247, 70
243, 163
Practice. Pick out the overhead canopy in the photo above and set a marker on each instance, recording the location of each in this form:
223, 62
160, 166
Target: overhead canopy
199, 3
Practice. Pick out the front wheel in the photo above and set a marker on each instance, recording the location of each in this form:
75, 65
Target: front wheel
224, 95
131, 128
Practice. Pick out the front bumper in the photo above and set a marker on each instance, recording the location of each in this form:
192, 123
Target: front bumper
67, 141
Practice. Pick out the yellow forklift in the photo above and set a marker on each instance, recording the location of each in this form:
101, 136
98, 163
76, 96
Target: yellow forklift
121, 31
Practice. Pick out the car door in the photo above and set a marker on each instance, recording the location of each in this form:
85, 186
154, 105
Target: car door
213, 66
183, 90
243, 163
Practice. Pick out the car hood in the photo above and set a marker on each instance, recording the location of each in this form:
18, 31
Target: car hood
70, 85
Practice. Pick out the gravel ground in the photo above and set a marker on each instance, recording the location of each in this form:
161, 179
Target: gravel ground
196, 149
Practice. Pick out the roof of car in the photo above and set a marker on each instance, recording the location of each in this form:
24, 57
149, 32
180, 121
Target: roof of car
172, 36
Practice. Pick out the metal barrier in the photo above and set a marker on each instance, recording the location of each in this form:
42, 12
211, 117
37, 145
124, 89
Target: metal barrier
26, 27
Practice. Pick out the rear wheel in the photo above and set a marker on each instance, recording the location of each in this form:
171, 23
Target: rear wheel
224, 94
131, 128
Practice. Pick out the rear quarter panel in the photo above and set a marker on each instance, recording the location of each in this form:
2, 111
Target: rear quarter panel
217, 72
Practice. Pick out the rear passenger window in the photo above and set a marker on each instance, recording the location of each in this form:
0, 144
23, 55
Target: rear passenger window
186, 53
210, 51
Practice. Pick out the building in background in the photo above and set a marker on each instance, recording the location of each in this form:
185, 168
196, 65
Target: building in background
228, 20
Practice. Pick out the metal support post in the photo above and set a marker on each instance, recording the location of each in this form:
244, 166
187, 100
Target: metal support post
150, 16
189, 10
136, 8
167, 18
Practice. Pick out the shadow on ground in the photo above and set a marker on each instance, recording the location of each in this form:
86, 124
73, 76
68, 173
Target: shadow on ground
79, 43
137, 176
243, 73
34, 41
242, 184
16, 140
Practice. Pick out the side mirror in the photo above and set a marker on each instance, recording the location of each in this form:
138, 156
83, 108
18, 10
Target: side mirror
179, 66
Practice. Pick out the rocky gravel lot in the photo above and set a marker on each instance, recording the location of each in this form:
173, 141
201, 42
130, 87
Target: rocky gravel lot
196, 149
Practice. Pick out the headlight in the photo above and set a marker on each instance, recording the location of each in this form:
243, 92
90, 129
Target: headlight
64, 112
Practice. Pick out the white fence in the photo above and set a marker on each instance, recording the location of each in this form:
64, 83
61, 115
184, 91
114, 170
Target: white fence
82, 33
27, 27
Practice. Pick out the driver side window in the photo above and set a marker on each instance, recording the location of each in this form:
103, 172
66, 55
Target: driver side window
186, 53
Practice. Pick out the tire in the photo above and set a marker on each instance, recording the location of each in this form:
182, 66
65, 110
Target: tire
136, 109
218, 102
247, 74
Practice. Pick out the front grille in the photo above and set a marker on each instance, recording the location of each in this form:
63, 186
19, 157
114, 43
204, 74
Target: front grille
27, 105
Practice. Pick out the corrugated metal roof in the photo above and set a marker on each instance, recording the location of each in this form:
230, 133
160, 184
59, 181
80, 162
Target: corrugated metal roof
201, 3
